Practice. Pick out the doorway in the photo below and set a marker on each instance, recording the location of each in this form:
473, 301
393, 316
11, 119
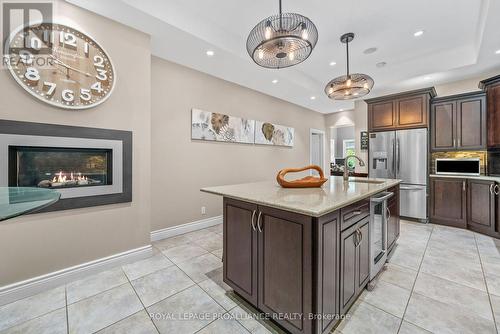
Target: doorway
317, 150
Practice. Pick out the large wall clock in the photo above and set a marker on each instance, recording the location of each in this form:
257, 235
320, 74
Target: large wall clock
77, 74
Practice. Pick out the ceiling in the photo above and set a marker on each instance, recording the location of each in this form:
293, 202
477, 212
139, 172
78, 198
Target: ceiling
459, 41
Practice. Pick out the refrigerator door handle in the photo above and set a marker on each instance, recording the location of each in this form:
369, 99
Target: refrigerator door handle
394, 173
409, 188
398, 156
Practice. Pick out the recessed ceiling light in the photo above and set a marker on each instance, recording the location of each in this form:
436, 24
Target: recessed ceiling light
418, 33
497, 52
341, 109
427, 78
275, 81
370, 51
333, 63
313, 97
210, 53
381, 64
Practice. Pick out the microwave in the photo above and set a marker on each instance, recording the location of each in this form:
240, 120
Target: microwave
465, 166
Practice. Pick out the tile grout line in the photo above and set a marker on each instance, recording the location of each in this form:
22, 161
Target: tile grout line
67, 313
486, 285
416, 277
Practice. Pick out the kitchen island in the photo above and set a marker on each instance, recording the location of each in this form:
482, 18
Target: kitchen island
302, 256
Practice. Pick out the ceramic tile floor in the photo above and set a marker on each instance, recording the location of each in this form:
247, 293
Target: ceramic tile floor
438, 280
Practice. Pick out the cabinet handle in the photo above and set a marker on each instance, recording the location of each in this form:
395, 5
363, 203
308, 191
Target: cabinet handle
258, 222
253, 223
497, 189
360, 237
459, 142
491, 189
463, 185
454, 142
353, 214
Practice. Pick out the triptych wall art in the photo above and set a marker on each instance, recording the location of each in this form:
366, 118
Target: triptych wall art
219, 127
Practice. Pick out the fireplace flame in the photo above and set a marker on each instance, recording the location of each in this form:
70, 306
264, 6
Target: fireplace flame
62, 178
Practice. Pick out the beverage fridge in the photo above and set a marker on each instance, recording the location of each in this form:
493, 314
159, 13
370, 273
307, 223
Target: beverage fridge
402, 155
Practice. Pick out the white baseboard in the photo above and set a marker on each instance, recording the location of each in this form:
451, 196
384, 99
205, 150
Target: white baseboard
185, 228
32, 286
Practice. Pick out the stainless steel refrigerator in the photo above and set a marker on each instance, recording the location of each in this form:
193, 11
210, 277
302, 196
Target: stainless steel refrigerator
402, 155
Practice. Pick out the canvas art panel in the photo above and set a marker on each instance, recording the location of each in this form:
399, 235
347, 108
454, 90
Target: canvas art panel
273, 134
219, 127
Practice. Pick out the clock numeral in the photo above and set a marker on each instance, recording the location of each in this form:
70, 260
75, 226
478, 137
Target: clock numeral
48, 37
101, 74
98, 61
85, 94
52, 87
86, 49
26, 57
68, 95
35, 43
97, 87
32, 74
67, 39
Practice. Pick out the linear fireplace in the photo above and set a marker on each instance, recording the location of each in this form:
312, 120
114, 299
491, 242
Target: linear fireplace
88, 166
59, 167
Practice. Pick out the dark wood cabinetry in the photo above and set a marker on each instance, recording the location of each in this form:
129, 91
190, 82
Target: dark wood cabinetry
448, 201
459, 122
481, 199
393, 226
472, 203
492, 88
285, 277
240, 248
400, 111
354, 262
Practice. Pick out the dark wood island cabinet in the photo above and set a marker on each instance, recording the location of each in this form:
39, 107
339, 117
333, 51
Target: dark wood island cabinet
302, 270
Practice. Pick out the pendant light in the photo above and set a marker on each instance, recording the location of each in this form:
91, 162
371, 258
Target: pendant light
352, 85
282, 40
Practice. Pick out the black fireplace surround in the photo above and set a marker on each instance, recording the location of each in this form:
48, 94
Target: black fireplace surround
63, 168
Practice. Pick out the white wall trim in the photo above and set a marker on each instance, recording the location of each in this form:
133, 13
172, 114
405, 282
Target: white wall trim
185, 228
32, 286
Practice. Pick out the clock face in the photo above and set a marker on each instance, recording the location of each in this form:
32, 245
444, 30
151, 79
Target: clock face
76, 74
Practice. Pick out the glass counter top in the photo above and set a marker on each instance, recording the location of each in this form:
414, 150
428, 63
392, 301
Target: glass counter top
16, 201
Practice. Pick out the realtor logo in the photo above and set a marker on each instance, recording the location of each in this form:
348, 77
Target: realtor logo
17, 16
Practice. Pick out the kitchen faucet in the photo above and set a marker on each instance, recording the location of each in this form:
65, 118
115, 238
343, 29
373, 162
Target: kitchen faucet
346, 160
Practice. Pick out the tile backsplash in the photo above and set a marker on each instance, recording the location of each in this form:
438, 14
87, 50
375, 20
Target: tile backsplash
482, 155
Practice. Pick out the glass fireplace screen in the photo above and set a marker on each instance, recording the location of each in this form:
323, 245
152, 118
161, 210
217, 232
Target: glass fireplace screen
54, 167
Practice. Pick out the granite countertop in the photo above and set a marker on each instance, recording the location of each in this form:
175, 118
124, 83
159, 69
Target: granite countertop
480, 177
316, 202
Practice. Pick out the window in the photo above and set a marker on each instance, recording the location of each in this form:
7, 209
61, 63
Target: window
350, 149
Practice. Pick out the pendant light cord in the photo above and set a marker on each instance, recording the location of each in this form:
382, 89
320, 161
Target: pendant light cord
281, 17
347, 48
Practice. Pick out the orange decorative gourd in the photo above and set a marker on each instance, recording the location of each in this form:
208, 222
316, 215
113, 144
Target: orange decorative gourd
305, 182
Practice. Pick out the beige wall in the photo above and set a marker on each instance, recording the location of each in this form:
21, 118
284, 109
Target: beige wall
41, 243
180, 166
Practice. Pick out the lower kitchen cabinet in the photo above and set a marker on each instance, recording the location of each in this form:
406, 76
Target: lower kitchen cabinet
285, 262
481, 199
393, 225
240, 248
354, 262
448, 202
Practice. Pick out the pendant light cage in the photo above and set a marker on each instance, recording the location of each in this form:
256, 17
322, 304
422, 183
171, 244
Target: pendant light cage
282, 40
352, 85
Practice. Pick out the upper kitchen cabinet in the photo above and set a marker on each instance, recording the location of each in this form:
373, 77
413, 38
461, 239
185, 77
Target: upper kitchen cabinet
400, 111
492, 88
459, 122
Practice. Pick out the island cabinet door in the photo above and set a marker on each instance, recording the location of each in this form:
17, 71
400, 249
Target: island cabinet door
348, 263
393, 227
285, 268
240, 248
363, 255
